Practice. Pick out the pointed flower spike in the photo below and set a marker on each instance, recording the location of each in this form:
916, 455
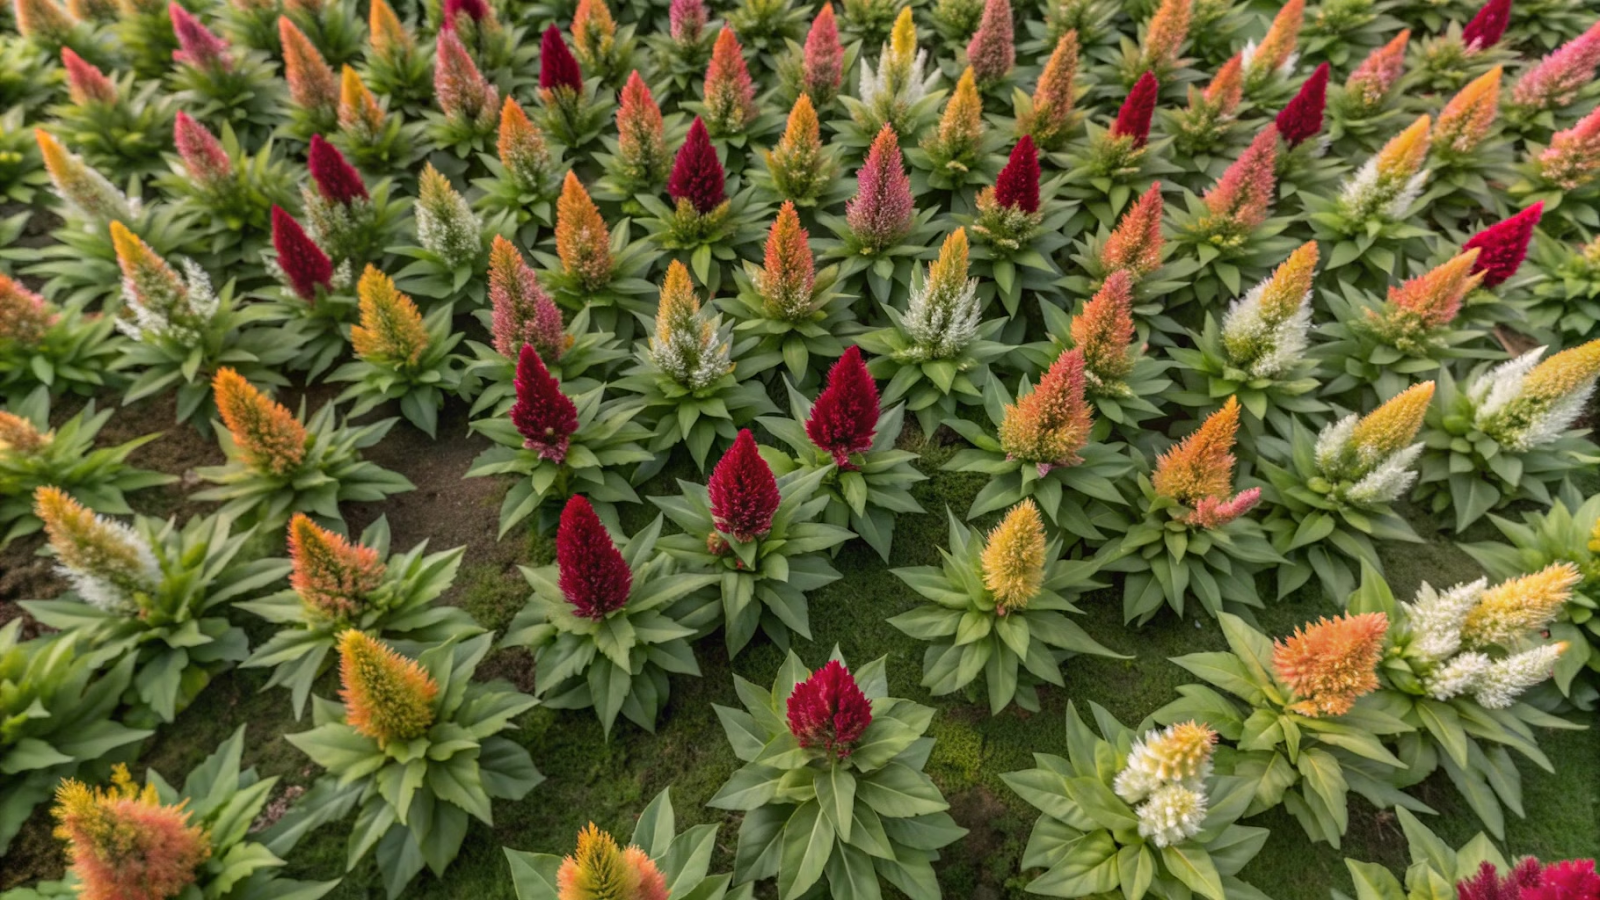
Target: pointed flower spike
462, 91
1013, 558
829, 711
1488, 26
85, 83
1201, 465
787, 279
697, 175
312, 85
1392, 427
332, 576
108, 564
822, 66
1504, 245
882, 212
594, 31
1265, 331
1133, 119
687, 346
1104, 331
1404, 154
197, 45
386, 697
1301, 118
522, 313
1165, 35
1227, 88
641, 133
961, 124
1514, 610
991, 53
25, 317
558, 69
1377, 74
19, 439
1433, 299
1049, 426
1275, 53
304, 265
844, 419
686, 21
1017, 187
1242, 198
543, 415
203, 155
1573, 158
268, 436
335, 179
1331, 664
1053, 96
598, 870
1179, 753
743, 491
391, 330
582, 239
389, 38
1465, 121
1556, 80
124, 843
1136, 243
42, 20
595, 578
79, 184
521, 144
730, 95
360, 113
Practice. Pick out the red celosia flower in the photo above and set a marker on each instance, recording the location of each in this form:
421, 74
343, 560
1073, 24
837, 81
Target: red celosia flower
991, 53
197, 45
332, 576
1301, 118
336, 180
543, 415
882, 210
1488, 884
1574, 879
822, 68
1135, 244
1133, 119
744, 495
85, 83
696, 174
476, 10
1018, 184
203, 155
302, 261
1488, 26
845, 417
595, 578
558, 68
1503, 245
1242, 197
828, 711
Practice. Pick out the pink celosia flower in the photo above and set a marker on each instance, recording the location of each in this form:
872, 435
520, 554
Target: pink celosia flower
730, 95
1573, 158
522, 313
686, 20
882, 211
197, 45
991, 53
203, 155
1371, 82
462, 91
85, 83
1242, 198
1555, 80
822, 68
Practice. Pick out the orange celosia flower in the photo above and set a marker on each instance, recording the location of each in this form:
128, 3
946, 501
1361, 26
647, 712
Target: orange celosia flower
1167, 31
1465, 121
386, 697
1049, 426
18, 437
1227, 87
582, 240
332, 576
961, 124
1332, 663
593, 32
391, 329
1242, 198
1104, 330
1135, 244
359, 110
1404, 154
312, 85
268, 436
600, 870
1508, 613
389, 37
125, 844
1276, 49
1201, 465
730, 95
25, 317
1013, 558
43, 20
1433, 299
785, 283
1046, 122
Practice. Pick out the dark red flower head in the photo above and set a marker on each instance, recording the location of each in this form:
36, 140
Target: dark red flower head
302, 261
1018, 184
542, 414
476, 10
337, 181
595, 578
845, 417
558, 68
1489, 884
1502, 246
744, 495
1301, 118
828, 711
697, 176
1488, 26
1574, 879
1133, 118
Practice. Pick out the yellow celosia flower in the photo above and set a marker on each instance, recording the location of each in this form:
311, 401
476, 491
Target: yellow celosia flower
391, 329
1014, 557
1563, 373
1404, 154
1391, 427
948, 273
359, 110
1465, 120
600, 870
386, 697
582, 240
962, 123
1508, 613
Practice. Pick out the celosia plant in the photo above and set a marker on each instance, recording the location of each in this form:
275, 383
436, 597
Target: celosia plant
312, 296
896, 93
639, 161
571, 109
225, 192
42, 344
704, 226
451, 247
1370, 220
954, 152
823, 753
879, 235
120, 126
801, 169
399, 355
1117, 161
217, 82
519, 195
787, 303
351, 223
595, 268
380, 140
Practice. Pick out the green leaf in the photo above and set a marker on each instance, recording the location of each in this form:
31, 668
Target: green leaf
1192, 866
836, 792
898, 791
807, 844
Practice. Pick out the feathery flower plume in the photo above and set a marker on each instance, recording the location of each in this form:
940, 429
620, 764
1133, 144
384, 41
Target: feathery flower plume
543, 415
463, 93
1429, 301
730, 95
360, 113
203, 155
1017, 187
844, 419
595, 578
1198, 472
1573, 158
522, 312
390, 39
688, 345
1488, 26
828, 711
798, 165
332, 576
1504, 245
822, 66
198, 46
1511, 611
1503, 680
1173, 814
1053, 97
744, 494
387, 697
124, 844
641, 135
158, 301
1103, 332
312, 85
268, 436
446, 224
1388, 183
85, 83
1301, 118
1165, 34
43, 21
1373, 455
1242, 198
521, 145
1371, 82
1275, 54
1049, 426
1013, 558
686, 21
599, 870
697, 176
1226, 89
1133, 118
1179, 754
582, 240
391, 329
942, 318
558, 69
1556, 80
1135, 244
594, 32
79, 184
991, 53
19, 439
1333, 663
1524, 403
881, 212
786, 281
25, 317
1391, 427
108, 564
961, 123
1264, 332
1465, 121
304, 265
336, 180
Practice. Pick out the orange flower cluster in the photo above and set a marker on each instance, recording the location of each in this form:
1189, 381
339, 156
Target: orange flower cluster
386, 697
268, 436
1332, 663
124, 843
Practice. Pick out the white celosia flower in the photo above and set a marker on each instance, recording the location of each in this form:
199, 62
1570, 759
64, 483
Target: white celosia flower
103, 593
449, 228
1502, 682
1366, 195
894, 80
1389, 480
1274, 346
1173, 814
694, 357
942, 320
1178, 754
1436, 618
1333, 441
1501, 386
178, 316
1456, 677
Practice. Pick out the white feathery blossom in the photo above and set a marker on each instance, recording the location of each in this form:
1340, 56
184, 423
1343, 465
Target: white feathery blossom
1500, 387
1436, 618
1366, 194
1379, 479
1502, 384
103, 593
1275, 346
695, 355
1334, 441
1389, 480
1458, 676
943, 319
894, 80
449, 228
175, 315
1173, 814
1503, 681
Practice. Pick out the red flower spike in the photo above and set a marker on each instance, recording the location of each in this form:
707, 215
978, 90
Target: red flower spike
1502, 246
337, 181
302, 261
476, 10
696, 174
1574, 879
1133, 119
744, 495
1301, 118
1488, 884
595, 578
558, 68
845, 417
1488, 26
828, 711
1018, 184
543, 415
